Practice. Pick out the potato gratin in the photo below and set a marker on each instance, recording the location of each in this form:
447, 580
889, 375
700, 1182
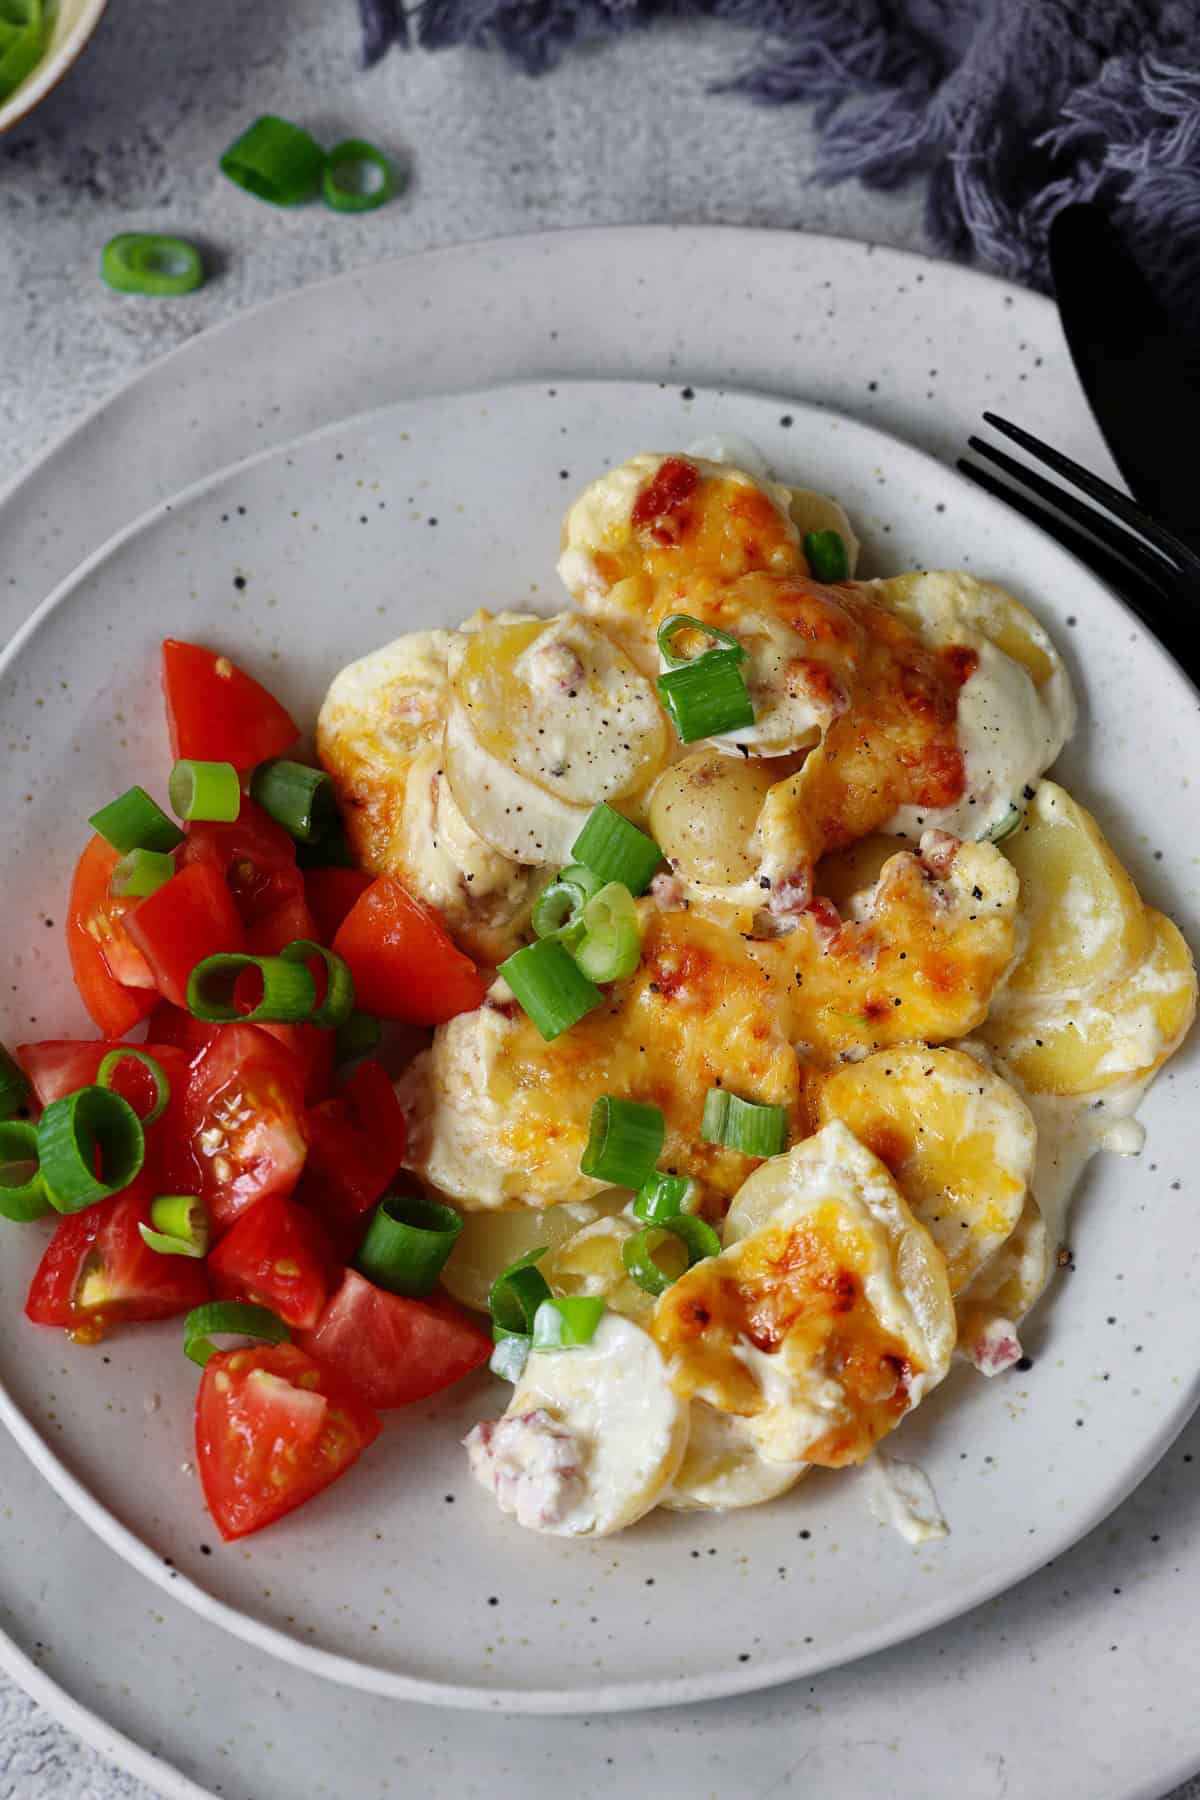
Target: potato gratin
814, 994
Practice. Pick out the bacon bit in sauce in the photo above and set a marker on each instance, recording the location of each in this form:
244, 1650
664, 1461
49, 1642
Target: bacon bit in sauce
938, 850
658, 509
826, 916
790, 895
666, 891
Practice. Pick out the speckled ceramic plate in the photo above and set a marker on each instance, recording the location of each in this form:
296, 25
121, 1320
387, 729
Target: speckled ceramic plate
311, 555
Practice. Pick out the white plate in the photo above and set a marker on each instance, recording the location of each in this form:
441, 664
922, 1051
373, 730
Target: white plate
334, 540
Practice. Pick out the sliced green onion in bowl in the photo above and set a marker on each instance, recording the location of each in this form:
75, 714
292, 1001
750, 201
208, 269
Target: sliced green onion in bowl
611, 945
638, 1253
229, 1318
722, 641
615, 850
662, 1197
24, 30
275, 161
550, 986
357, 177
567, 1324
407, 1243
516, 1294
337, 1002
297, 797
14, 1085
145, 262
746, 1125
77, 1129
133, 821
357, 1035
162, 1086
209, 792
708, 698
826, 555
625, 1140
140, 872
288, 992
23, 1193
559, 909
179, 1226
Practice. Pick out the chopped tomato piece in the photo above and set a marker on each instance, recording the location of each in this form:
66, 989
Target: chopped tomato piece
61, 1065
241, 1127
276, 1255
97, 1271
273, 1428
404, 964
311, 1047
218, 713
113, 977
281, 927
331, 892
190, 917
393, 1349
256, 857
356, 1143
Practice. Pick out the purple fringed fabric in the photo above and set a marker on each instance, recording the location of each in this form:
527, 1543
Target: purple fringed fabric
1010, 108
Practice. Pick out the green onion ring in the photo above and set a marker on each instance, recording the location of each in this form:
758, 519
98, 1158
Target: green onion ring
179, 1226
337, 1003
567, 1324
637, 1253
297, 797
516, 1294
139, 873
826, 555
661, 1198
407, 1243
550, 986
141, 262
510, 1356
209, 792
14, 1085
289, 991
22, 43
275, 161
354, 154
133, 821
723, 642
746, 1125
559, 909
625, 1140
611, 946
162, 1086
232, 1318
708, 698
24, 1199
615, 850
69, 1134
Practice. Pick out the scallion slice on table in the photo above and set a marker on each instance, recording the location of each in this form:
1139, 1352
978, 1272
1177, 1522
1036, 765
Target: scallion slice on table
559, 909
516, 1294
139, 873
145, 262
14, 1085
133, 821
229, 1318
610, 947
567, 1324
615, 850
625, 1140
709, 698
357, 177
638, 1252
662, 1197
297, 797
22, 1190
746, 1125
550, 986
75, 1130
407, 1243
205, 791
162, 1086
179, 1226
287, 990
826, 555
275, 161
337, 1002
357, 1035
23, 34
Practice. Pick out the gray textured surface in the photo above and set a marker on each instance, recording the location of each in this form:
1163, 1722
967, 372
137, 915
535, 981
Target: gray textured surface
131, 141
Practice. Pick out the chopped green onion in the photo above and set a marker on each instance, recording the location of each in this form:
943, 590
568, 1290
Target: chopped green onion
141, 872
615, 850
670, 628
337, 1002
134, 822
289, 992
357, 177
637, 1252
23, 33
333, 851
178, 1226
550, 986
14, 1085
708, 698
407, 1242
356, 1036
232, 1318
144, 262
826, 556
567, 1324
297, 797
510, 1356
162, 1087
73, 1131
559, 909
1004, 827
611, 945
276, 161
745, 1125
662, 1198
625, 1140
205, 791
516, 1294
23, 1193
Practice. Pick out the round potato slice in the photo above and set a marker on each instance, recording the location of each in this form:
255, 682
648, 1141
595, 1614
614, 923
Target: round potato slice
489, 1242
589, 1262
960, 1142
1003, 1292
722, 1467
704, 817
591, 1438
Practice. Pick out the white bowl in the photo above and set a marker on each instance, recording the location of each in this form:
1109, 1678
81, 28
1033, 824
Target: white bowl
73, 23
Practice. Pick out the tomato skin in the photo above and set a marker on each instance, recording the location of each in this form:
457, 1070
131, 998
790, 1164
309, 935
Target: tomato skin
311, 1047
256, 857
218, 713
356, 1144
281, 927
241, 1126
59, 1066
331, 892
190, 917
405, 965
265, 1446
276, 1255
130, 1281
393, 1349
96, 921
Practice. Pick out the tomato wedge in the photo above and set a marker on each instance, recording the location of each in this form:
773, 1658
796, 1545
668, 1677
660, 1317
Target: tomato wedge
97, 1271
276, 1255
396, 1350
273, 1428
404, 964
216, 712
113, 977
281, 927
241, 1124
190, 917
356, 1143
255, 856
311, 1047
330, 893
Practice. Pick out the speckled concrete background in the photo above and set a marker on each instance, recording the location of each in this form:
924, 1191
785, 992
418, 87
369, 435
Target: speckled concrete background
627, 133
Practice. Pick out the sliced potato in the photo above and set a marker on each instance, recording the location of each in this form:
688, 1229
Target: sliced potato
704, 816
489, 1242
844, 874
723, 1467
1003, 1292
942, 604
589, 1262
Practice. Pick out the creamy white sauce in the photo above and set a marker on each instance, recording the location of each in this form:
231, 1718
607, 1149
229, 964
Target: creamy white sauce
900, 1494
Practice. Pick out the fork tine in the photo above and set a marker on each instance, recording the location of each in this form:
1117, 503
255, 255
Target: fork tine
1103, 491
1148, 560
